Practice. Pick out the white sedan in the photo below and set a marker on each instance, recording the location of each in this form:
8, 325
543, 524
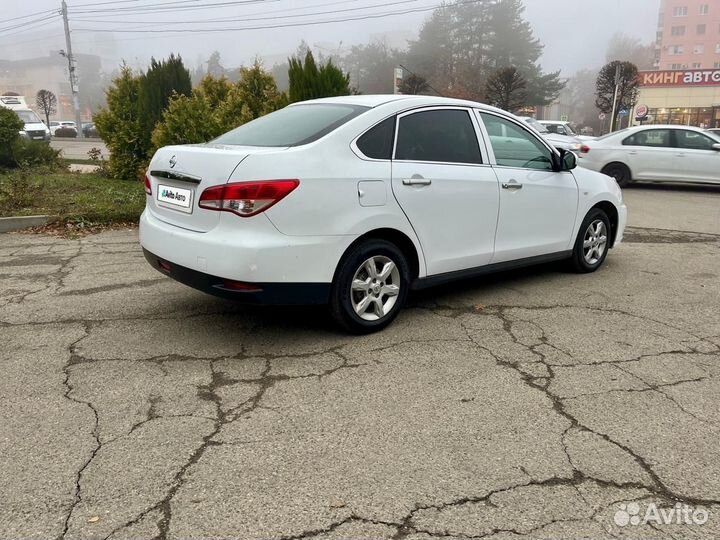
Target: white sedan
354, 201
656, 153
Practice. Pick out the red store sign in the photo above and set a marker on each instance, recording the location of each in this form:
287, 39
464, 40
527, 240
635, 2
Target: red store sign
688, 77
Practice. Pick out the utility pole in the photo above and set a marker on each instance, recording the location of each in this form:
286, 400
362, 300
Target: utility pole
72, 69
615, 96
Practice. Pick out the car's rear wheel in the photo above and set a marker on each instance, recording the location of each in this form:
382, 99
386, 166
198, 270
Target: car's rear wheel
370, 287
619, 172
593, 242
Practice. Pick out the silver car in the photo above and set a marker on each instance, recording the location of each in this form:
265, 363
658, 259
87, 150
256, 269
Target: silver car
563, 142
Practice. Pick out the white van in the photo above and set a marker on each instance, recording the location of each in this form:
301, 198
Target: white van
34, 129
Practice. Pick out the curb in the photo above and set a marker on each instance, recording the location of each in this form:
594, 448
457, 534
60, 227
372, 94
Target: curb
8, 224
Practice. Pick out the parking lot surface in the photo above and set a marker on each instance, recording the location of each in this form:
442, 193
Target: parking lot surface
79, 148
534, 404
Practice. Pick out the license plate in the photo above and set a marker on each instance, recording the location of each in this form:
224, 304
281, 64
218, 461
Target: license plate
174, 197
39, 138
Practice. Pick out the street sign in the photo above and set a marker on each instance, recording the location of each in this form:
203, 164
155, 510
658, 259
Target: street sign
623, 113
642, 111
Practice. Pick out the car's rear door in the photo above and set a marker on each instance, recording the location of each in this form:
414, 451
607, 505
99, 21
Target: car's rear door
443, 182
650, 154
697, 160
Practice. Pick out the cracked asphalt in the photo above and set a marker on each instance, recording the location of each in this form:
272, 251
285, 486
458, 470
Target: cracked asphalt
529, 404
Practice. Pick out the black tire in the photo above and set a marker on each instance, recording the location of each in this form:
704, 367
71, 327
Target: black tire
620, 172
341, 296
579, 262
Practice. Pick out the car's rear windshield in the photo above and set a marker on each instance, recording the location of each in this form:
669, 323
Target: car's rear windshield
292, 126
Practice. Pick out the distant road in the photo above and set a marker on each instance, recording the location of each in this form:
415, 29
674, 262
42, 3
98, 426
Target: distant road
79, 148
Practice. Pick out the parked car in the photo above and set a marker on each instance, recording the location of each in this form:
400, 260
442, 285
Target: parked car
89, 130
714, 131
67, 124
353, 201
564, 128
564, 142
659, 153
33, 128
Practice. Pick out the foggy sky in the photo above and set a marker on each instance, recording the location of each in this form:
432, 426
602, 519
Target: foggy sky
575, 34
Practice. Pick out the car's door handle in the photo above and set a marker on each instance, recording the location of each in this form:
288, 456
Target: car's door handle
416, 180
633, 153
512, 184
680, 155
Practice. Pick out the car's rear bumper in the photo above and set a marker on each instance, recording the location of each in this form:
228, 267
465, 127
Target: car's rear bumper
250, 293
286, 269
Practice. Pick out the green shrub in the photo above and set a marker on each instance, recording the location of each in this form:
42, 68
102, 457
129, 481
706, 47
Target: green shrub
120, 128
10, 125
216, 106
308, 81
36, 154
17, 190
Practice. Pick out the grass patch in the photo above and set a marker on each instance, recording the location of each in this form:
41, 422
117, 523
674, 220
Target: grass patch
87, 199
68, 162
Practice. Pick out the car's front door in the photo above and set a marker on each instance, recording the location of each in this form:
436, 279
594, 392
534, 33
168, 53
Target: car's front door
650, 154
696, 159
442, 180
538, 206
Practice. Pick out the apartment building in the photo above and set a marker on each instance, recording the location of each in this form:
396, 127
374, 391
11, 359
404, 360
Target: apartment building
688, 35
685, 86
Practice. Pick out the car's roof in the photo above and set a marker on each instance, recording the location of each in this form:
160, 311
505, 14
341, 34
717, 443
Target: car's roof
563, 122
376, 100
665, 126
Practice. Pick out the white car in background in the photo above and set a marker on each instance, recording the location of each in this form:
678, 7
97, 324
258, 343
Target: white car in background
354, 201
57, 124
658, 153
564, 128
558, 140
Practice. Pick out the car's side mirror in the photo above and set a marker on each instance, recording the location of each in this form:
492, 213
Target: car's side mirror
568, 160
716, 147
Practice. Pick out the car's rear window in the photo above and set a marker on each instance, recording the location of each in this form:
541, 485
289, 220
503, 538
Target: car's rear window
292, 126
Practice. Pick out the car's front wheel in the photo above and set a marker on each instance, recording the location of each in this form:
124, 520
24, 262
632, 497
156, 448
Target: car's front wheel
592, 243
370, 287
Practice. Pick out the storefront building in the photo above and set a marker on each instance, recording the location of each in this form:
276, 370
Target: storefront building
689, 97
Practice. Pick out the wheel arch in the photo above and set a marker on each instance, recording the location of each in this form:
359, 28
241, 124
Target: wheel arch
613, 215
394, 236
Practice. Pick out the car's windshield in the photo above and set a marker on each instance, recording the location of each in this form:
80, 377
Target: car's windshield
568, 130
292, 126
28, 117
537, 125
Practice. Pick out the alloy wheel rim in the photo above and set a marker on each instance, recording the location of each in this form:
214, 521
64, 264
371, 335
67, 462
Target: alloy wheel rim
374, 288
595, 242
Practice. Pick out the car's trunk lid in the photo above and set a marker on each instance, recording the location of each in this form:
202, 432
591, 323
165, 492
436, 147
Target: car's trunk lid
179, 175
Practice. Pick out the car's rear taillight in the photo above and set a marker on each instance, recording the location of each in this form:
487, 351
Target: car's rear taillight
584, 149
246, 198
148, 186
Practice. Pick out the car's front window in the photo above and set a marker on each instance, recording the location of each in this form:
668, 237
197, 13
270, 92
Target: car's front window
692, 140
292, 126
515, 147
